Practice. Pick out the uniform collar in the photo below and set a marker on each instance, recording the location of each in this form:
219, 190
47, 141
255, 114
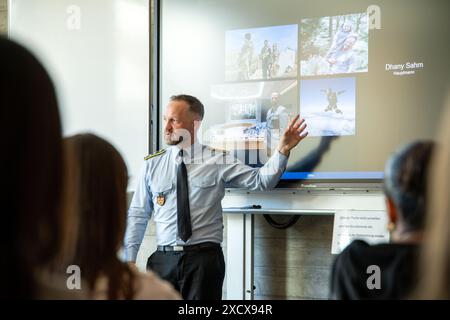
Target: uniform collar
194, 149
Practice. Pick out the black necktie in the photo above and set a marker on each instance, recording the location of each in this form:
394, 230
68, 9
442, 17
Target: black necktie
183, 210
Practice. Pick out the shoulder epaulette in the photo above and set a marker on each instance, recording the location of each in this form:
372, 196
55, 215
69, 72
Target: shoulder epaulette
157, 153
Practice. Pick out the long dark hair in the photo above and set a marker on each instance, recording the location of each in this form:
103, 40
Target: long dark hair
100, 177
31, 161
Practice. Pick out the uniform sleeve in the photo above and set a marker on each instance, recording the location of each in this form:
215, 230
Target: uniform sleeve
139, 214
240, 175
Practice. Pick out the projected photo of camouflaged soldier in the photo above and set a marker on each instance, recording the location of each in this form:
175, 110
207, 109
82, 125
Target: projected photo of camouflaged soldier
266, 57
261, 53
343, 58
334, 45
275, 60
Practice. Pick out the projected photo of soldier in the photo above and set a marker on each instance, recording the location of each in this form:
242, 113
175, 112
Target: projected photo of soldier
266, 58
277, 119
343, 59
251, 117
261, 53
245, 58
275, 59
330, 111
334, 45
332, 100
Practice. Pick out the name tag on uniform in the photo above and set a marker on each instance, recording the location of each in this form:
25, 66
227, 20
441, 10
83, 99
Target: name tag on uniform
161, 199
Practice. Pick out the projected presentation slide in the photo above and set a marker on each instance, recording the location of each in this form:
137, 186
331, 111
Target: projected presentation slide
251, 114
333, 45
328, 106
372, 74
261, 53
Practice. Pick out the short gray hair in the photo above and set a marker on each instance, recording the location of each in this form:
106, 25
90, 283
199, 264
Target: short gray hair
194, 104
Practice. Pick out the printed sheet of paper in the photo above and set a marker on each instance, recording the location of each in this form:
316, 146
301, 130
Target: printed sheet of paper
370, 226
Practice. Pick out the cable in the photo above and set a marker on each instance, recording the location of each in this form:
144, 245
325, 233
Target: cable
292, 220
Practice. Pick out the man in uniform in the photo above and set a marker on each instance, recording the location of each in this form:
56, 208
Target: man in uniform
266, 57
182, 186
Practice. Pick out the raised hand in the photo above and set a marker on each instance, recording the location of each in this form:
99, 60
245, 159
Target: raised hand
293, 134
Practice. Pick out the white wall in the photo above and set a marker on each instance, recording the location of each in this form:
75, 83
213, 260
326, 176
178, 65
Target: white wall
98, 55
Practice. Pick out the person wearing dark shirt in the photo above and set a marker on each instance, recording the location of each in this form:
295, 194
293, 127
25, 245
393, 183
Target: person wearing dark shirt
405, 190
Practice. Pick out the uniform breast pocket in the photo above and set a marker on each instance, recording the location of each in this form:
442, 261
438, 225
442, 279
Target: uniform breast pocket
204, 191
162, 194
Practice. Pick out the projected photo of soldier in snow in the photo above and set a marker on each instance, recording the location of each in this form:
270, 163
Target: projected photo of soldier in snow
328, 106
334, 45
332, 100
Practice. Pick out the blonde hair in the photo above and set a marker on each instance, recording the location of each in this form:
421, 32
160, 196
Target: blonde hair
435, 259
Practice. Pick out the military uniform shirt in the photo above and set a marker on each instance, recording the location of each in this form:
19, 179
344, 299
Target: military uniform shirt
209, 172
